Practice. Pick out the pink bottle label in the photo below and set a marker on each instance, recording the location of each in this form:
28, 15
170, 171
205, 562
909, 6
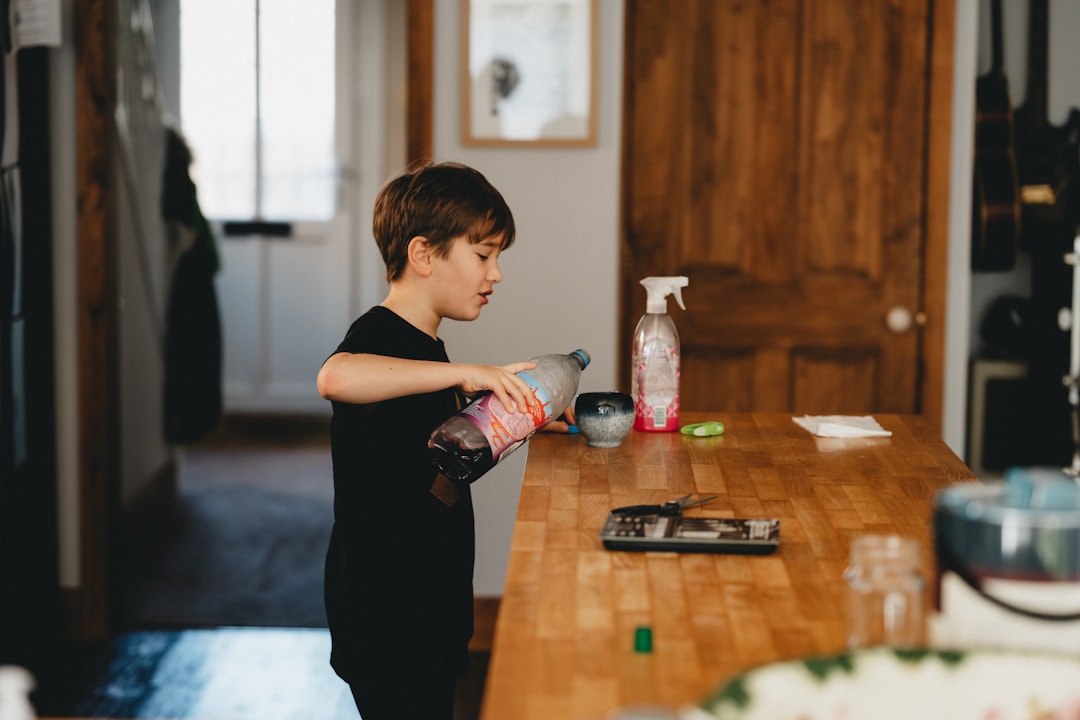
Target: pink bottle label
506, 430
656, 418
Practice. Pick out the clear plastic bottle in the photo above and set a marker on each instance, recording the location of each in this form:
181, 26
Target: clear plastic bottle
477, 438
654, 377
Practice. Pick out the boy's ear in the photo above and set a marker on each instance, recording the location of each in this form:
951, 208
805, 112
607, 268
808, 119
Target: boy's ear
420, 255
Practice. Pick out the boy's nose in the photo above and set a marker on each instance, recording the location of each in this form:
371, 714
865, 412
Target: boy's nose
495, 274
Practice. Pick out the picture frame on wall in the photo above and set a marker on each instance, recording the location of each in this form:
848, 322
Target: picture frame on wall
529, 72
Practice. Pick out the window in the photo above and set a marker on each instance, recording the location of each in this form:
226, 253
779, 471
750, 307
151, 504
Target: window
257, 107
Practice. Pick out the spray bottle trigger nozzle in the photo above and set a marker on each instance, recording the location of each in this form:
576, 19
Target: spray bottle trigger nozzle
660, 287
678, 296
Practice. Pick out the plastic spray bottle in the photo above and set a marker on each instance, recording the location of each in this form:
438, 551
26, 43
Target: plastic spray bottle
654, 376
470, 443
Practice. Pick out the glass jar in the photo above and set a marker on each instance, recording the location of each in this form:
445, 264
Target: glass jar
886, 591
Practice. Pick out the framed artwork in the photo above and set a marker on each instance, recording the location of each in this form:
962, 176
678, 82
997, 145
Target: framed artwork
529, 72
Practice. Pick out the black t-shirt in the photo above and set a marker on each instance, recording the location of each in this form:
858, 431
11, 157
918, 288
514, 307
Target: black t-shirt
400, 564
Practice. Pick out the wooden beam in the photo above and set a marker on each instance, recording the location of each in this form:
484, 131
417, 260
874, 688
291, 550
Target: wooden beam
420, 41
936, 254
97, 321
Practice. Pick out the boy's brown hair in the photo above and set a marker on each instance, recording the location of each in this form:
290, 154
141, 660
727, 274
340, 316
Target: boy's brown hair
440, 202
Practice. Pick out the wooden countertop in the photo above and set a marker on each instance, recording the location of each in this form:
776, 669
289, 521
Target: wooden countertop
563, 645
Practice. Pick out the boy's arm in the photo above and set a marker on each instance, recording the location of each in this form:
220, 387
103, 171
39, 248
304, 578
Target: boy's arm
364, 378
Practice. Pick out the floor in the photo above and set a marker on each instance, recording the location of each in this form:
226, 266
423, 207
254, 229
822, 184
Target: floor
219, 673
186, 646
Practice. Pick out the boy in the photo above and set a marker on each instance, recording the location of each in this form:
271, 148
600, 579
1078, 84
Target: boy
399, 567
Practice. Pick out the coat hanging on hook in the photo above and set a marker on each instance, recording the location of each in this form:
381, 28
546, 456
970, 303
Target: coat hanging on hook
193, 395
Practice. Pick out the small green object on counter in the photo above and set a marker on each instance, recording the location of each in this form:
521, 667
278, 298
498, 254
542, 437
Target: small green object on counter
643, 639
705, 429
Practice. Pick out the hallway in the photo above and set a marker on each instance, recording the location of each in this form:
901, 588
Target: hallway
245, 543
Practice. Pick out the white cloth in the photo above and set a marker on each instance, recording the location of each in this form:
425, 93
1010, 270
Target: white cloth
843, 426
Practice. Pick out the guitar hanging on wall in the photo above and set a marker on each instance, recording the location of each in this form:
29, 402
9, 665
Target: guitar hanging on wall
1046, 155
1048, 167
995, 220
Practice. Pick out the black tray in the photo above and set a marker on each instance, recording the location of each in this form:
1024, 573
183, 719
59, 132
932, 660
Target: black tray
667, 533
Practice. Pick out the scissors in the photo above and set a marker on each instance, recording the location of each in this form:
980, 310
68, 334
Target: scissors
670, 508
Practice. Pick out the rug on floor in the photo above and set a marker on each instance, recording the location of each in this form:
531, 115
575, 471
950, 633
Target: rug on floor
234, 673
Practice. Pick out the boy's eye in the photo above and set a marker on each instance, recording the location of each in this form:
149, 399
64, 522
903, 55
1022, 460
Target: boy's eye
482, 257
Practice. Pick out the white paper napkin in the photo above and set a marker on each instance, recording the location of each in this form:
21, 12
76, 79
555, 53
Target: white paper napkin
845, 426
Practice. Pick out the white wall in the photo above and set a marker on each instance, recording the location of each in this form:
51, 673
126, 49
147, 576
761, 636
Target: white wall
65, 297
957, 311
559, 290
146, 256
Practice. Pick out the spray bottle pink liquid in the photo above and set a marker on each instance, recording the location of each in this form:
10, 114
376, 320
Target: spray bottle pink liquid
654, 376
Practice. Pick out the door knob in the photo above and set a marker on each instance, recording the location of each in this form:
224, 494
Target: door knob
899, 319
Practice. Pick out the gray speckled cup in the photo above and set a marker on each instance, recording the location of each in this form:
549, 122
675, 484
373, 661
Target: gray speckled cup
604, 418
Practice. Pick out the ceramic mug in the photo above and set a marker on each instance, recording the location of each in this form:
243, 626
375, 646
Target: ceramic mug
604, 418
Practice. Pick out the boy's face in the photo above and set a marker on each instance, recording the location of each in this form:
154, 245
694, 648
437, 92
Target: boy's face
466, 277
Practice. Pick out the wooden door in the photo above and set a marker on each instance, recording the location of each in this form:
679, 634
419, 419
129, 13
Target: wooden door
778, 154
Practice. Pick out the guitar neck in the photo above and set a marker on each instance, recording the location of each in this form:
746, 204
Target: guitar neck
1038, 45
997, 64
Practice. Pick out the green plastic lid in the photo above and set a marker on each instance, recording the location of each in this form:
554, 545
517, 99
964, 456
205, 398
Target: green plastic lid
705, 429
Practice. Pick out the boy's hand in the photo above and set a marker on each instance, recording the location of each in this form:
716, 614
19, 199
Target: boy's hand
514, 393
562, 423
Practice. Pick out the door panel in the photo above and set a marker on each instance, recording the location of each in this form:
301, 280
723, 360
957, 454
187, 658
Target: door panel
776, 155
307, 310
285, 302
238, 293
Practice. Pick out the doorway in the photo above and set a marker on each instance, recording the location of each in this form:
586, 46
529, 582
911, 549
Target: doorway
286, 153
275, 104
